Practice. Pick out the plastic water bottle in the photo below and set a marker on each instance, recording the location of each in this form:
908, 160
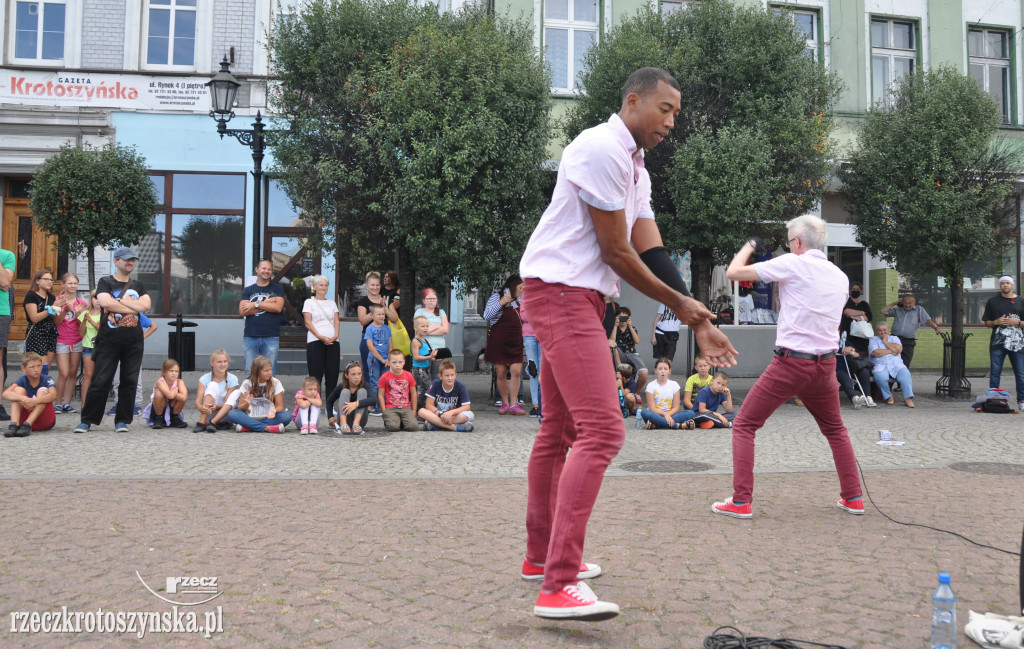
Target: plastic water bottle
639, 419
944, 615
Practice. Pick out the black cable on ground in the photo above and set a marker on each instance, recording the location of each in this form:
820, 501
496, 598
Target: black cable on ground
928, 527
719, 640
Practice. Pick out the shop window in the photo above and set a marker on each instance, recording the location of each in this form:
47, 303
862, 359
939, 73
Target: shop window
193, 260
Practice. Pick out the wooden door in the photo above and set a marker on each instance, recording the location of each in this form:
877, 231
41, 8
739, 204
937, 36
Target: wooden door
33, 249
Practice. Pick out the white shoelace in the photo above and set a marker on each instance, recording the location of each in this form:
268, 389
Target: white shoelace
581, 592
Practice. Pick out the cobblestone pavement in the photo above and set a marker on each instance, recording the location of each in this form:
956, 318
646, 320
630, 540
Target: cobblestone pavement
415, 539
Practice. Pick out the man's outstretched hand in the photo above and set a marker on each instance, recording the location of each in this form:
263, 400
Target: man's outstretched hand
715, 345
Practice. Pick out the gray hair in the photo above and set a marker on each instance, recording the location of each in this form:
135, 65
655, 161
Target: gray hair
316, 279
811, 230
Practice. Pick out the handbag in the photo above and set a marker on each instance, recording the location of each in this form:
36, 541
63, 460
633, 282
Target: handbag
861, 329
400, 337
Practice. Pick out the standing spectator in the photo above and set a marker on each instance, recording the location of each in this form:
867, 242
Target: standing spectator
438, 321
666, 333
505, 343
908, 316
323, 325
261, 306
89, 325
7, 264
119, 342
365, 315
148, 329
379, 342
42, 331
811, 292
1003, 313
856, 308
69, 340
391, 293
533, 360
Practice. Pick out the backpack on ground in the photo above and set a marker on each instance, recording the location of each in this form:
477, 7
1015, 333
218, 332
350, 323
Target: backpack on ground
996, 400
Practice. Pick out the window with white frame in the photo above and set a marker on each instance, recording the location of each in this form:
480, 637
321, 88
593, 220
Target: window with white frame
170, 30
806, 22
570, 29
893, 54
989, 50
672, 6
39, 31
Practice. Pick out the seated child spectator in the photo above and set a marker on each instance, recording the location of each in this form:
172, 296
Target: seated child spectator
627, 389
378, 344
168, 398
307, 406
701, 379
422, 354
663, 401
355, 401
212, 391
396, 394
31, 397
447, 402
258, 405
708, 400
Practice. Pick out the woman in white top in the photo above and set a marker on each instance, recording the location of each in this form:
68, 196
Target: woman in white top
438, 321
323, 324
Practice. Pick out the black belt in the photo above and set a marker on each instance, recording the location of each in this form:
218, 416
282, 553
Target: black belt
782, 351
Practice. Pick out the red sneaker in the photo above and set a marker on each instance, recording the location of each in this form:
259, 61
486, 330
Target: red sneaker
574, 602
852, 506
516, 409
274, 428
536, 573
727, 508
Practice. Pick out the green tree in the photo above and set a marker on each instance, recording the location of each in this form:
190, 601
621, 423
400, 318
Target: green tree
929, 185
89, 197
414, 133
751, 146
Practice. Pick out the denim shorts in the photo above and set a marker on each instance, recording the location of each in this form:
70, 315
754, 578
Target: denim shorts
67, 349
86, 352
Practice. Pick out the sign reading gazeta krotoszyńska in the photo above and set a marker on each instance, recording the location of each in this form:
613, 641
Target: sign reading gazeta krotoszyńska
121, 91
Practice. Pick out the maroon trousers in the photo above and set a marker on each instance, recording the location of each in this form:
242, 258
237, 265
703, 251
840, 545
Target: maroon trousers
581, 410
814, 382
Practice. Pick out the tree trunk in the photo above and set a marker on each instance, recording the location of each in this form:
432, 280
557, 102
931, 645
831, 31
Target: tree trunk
407, 283
90, 255
956, 292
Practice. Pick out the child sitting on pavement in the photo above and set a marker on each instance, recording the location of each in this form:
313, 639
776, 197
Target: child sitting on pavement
307, 406
447, 405
701, 379
627, 389
169, 394
710, 398
662, 409
212, 391
353, 399
31, 397
396, 395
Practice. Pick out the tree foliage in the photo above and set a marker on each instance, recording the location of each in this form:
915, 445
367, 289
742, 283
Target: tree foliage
89, 197
929, 185
414, 132
751, 146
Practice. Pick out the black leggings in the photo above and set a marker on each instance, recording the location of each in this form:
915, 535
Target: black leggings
323, 362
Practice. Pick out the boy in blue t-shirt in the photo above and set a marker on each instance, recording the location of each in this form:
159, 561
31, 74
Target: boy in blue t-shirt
447, 402
378, 343
709, 399
31, 398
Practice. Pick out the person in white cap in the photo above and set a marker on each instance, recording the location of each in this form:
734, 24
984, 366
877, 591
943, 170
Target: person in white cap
118, 341
1004, 313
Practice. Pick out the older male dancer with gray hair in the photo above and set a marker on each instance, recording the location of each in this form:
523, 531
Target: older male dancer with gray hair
812, 291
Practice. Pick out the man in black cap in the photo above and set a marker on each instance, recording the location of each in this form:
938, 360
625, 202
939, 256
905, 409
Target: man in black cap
119, 341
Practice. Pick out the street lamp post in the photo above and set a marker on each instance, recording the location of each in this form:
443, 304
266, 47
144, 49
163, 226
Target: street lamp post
223, 87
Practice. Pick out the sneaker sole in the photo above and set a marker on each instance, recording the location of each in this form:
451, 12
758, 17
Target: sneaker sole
583, 574
856, 512
592, 613
731, 514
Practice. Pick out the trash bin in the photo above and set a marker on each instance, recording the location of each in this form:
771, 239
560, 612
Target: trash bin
181, 345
